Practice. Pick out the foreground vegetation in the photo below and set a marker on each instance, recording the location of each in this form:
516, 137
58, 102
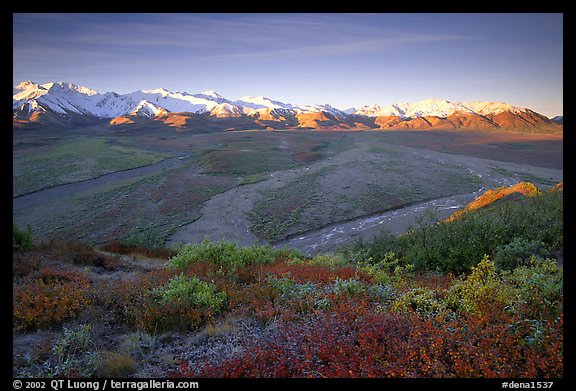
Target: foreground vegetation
508, 232
477, 297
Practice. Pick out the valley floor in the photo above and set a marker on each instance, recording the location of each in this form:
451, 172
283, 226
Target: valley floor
311, 190
224, 216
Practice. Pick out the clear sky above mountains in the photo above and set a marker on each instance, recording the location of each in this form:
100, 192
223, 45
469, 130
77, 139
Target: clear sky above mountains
341, 59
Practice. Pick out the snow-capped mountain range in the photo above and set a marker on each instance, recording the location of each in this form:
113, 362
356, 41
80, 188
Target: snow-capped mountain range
63, 98
64, 101
438, 108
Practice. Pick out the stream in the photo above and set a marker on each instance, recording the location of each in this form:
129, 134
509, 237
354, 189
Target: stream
395, 221
50, 194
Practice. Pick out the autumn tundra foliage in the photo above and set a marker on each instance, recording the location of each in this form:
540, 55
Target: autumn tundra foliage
481, 296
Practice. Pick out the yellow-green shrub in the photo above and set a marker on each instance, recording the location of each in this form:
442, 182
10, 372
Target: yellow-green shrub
423, 301
481, 290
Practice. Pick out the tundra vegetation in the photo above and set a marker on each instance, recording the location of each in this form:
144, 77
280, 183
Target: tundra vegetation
100, 290
149, 186
480, 296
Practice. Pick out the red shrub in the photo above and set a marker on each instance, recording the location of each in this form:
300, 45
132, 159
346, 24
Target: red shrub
351, 341
435, 282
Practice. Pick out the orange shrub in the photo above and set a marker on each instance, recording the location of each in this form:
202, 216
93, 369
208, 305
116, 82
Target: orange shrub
302, 273
48, 297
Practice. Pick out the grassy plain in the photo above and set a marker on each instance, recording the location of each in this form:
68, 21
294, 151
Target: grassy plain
271, 185
73, 160
159, 202
251, 154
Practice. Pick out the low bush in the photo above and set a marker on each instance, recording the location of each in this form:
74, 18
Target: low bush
22, 240
149, 239
350, 340
538, 288
488, 323
127, 300
151, 252
113, 364
310, 271
300, 297
79, 253
228, 256
517, 253
514, 230
534, 291
372, 251
48, 297
421, 301
481, 291
72, 355
350, 287
161, 301
191, 291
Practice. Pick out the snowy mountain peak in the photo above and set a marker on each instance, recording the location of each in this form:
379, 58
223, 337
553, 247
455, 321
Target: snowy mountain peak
210, 94
261, 102
25, 84
226, 110
68, 87
494, 108
147, 109
436, 107
320, 108
161, 91
397, 110
58, 87
434, 101
27, 90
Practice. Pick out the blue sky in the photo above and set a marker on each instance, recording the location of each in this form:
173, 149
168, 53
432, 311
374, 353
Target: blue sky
342, 59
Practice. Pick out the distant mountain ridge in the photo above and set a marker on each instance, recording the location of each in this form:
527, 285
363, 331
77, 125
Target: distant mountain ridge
68, 104
559, 119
